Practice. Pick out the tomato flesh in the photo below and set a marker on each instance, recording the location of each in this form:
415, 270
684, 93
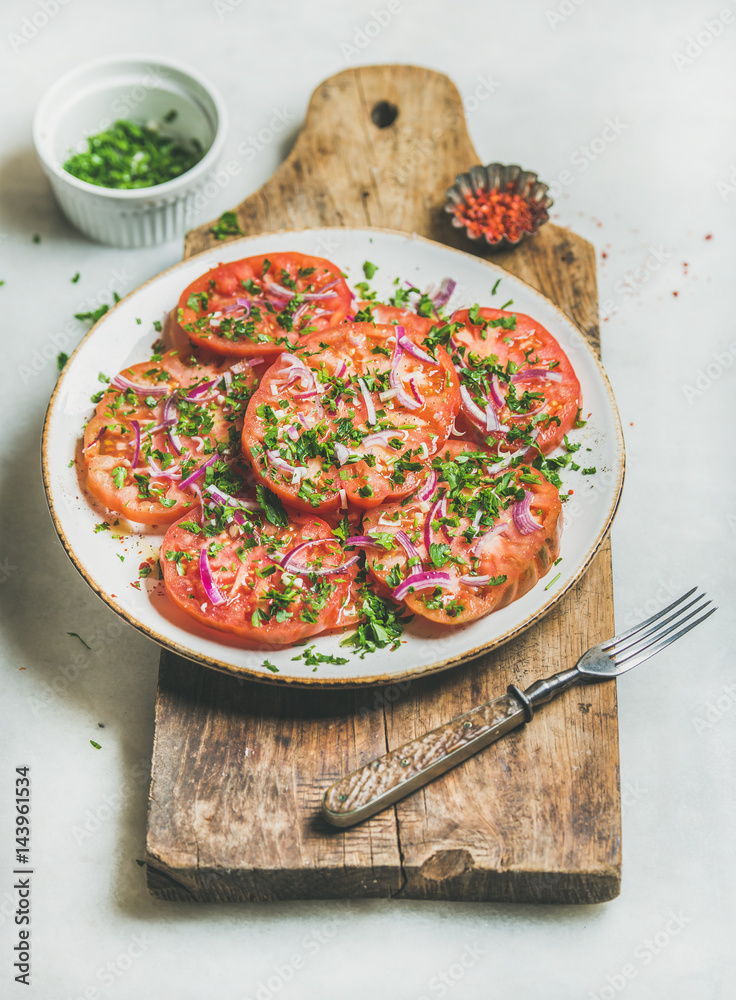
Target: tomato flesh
261, 602
263, 305
459, 543
534, 412
206, 423
326, 430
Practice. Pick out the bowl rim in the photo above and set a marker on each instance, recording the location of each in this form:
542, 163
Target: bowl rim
176, 184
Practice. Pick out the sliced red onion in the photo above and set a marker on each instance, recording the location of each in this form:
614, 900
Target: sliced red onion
411, 348
475, 581
393, 376
87, 446
119, 382
497, 529
343, 499
371, 417
427, 490
537, 373
419, 398
288, 564
341, 453
137, 431
293, 432
496, 392
522, 514
198, 472
380, 437
363, 542
173, 472
478, 516
297, 472
286, 293
442, 297
246, 304
454, 432
306, 395
198, 493
492, 421
196, 395
422, 581
411, 550
225, 500
316, 296
471, 408
213, 594
250, 363
434, 514
300, 313
170, 418
341, 369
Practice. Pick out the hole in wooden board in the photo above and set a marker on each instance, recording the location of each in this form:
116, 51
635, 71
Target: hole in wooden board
384, 114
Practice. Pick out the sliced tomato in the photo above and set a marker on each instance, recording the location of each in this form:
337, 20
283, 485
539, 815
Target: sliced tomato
319, 433
521, 391
471, 542
263, 305
407, 318
249, 592
144, 441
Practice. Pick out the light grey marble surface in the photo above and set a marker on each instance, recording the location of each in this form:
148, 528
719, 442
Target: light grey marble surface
541, 80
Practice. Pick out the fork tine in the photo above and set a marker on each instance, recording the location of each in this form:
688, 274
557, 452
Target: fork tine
660, 643
654, 618
614, 648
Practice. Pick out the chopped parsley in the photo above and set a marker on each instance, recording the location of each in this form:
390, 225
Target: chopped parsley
312, 659
227, 225
131, 155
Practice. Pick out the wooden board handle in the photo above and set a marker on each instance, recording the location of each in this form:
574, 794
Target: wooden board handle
378, 143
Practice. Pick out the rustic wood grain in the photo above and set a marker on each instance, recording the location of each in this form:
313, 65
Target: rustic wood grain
239, 768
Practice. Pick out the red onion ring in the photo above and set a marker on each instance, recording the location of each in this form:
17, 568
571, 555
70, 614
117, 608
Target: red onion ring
522, 514
192, 477
213, 594
422, 581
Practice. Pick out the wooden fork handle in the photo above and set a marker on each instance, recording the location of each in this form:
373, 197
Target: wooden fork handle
387, 779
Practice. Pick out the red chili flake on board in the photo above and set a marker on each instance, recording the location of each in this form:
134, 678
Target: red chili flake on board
675, 294
709, 236
497, 213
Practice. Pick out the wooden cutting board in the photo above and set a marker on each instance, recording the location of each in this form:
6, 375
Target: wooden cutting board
239, 768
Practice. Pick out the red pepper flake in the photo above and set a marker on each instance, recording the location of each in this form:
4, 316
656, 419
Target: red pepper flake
709, 236
497, 213
675, 294
570, 492
604, 255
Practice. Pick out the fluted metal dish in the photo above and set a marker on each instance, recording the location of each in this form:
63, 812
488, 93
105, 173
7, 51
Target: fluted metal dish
498, 175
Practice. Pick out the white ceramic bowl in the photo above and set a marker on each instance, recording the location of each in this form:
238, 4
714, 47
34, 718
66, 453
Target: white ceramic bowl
141, 88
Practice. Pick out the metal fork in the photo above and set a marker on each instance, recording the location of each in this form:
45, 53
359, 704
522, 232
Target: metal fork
387, 779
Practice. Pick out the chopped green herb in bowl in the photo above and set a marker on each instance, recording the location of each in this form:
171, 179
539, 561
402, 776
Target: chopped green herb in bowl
130, 155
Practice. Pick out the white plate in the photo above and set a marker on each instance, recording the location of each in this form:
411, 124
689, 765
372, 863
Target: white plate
117, 340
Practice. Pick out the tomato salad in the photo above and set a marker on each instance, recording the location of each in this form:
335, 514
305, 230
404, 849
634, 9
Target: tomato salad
322, 465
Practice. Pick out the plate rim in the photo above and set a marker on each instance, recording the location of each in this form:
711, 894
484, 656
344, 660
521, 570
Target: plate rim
335, 683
